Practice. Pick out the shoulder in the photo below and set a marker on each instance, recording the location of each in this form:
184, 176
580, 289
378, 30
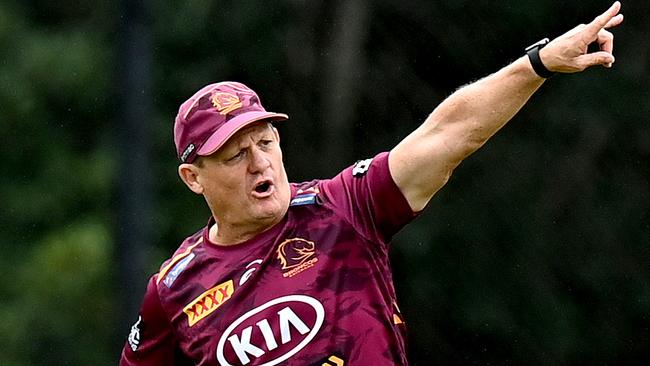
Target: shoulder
363, 175
305, 193
182, 257
357, 178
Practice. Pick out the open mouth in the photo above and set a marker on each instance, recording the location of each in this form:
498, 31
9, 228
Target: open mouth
263, 189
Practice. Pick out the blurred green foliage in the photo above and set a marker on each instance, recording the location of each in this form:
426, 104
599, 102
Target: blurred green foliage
62, 309
536, 252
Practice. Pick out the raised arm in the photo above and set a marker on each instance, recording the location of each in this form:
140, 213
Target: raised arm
423, 162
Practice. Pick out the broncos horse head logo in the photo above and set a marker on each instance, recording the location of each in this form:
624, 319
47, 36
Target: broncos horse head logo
294, 252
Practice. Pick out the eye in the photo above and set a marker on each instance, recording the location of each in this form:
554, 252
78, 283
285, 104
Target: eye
265, 144
237, 155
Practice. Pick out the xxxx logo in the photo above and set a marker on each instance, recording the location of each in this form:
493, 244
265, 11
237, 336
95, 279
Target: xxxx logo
208, 302
296, 255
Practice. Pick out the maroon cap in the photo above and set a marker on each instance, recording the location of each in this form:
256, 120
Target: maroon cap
213, 114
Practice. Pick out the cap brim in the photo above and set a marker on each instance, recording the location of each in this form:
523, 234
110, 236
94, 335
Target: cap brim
220, 136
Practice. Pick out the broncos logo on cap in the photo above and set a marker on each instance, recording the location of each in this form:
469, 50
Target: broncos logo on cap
225, 102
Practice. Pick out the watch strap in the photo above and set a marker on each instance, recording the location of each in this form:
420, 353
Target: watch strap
533, 55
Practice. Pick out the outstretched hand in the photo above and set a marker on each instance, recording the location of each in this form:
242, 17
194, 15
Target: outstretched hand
568, 52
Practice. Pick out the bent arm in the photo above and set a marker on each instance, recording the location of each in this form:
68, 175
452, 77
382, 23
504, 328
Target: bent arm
423, 162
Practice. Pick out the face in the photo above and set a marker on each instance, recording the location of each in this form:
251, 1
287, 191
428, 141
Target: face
244, 182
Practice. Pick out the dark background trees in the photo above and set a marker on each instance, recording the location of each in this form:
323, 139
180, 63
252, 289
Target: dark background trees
536, 252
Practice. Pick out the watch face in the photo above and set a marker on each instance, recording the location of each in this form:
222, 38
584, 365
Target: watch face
536, 62
538, 44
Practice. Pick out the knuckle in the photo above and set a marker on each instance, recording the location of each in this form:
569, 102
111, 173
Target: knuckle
581, 65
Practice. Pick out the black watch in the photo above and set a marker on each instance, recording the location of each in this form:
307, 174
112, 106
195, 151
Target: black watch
533, 55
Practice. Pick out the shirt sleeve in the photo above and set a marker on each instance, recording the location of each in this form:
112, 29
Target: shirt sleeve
151, 340
367, 196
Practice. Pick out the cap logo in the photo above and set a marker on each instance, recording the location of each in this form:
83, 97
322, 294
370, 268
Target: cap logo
225, 103
187, 152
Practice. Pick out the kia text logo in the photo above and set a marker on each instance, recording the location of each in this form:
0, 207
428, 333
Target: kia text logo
255, 334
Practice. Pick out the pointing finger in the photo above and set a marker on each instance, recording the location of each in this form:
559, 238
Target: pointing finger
603, 20
618, 19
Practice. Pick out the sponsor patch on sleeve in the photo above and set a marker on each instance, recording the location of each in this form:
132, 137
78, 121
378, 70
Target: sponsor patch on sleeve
305, 199
177, 270
361, 167
173, 264
308, 196
134, 335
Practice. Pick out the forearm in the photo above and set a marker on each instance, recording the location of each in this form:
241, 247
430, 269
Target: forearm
470, 116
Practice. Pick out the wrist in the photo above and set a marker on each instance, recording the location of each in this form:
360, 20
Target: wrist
533, 55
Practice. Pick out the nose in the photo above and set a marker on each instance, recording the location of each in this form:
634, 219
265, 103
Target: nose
259, 161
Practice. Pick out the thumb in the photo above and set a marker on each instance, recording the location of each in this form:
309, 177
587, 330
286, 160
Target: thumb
597, 58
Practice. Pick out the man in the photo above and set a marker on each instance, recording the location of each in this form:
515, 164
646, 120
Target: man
298, 274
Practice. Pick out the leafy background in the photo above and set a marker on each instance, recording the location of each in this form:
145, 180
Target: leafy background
536, 252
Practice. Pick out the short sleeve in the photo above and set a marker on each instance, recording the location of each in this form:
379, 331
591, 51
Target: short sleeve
151, 340
367, 196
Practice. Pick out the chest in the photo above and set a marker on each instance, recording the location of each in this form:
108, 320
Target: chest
265, 305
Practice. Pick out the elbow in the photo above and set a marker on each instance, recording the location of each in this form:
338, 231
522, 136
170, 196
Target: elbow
470, 145
460, 146
460, 137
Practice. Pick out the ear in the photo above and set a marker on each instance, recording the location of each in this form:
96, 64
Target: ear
189, 173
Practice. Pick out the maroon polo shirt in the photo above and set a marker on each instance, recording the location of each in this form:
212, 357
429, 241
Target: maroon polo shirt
315, 289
